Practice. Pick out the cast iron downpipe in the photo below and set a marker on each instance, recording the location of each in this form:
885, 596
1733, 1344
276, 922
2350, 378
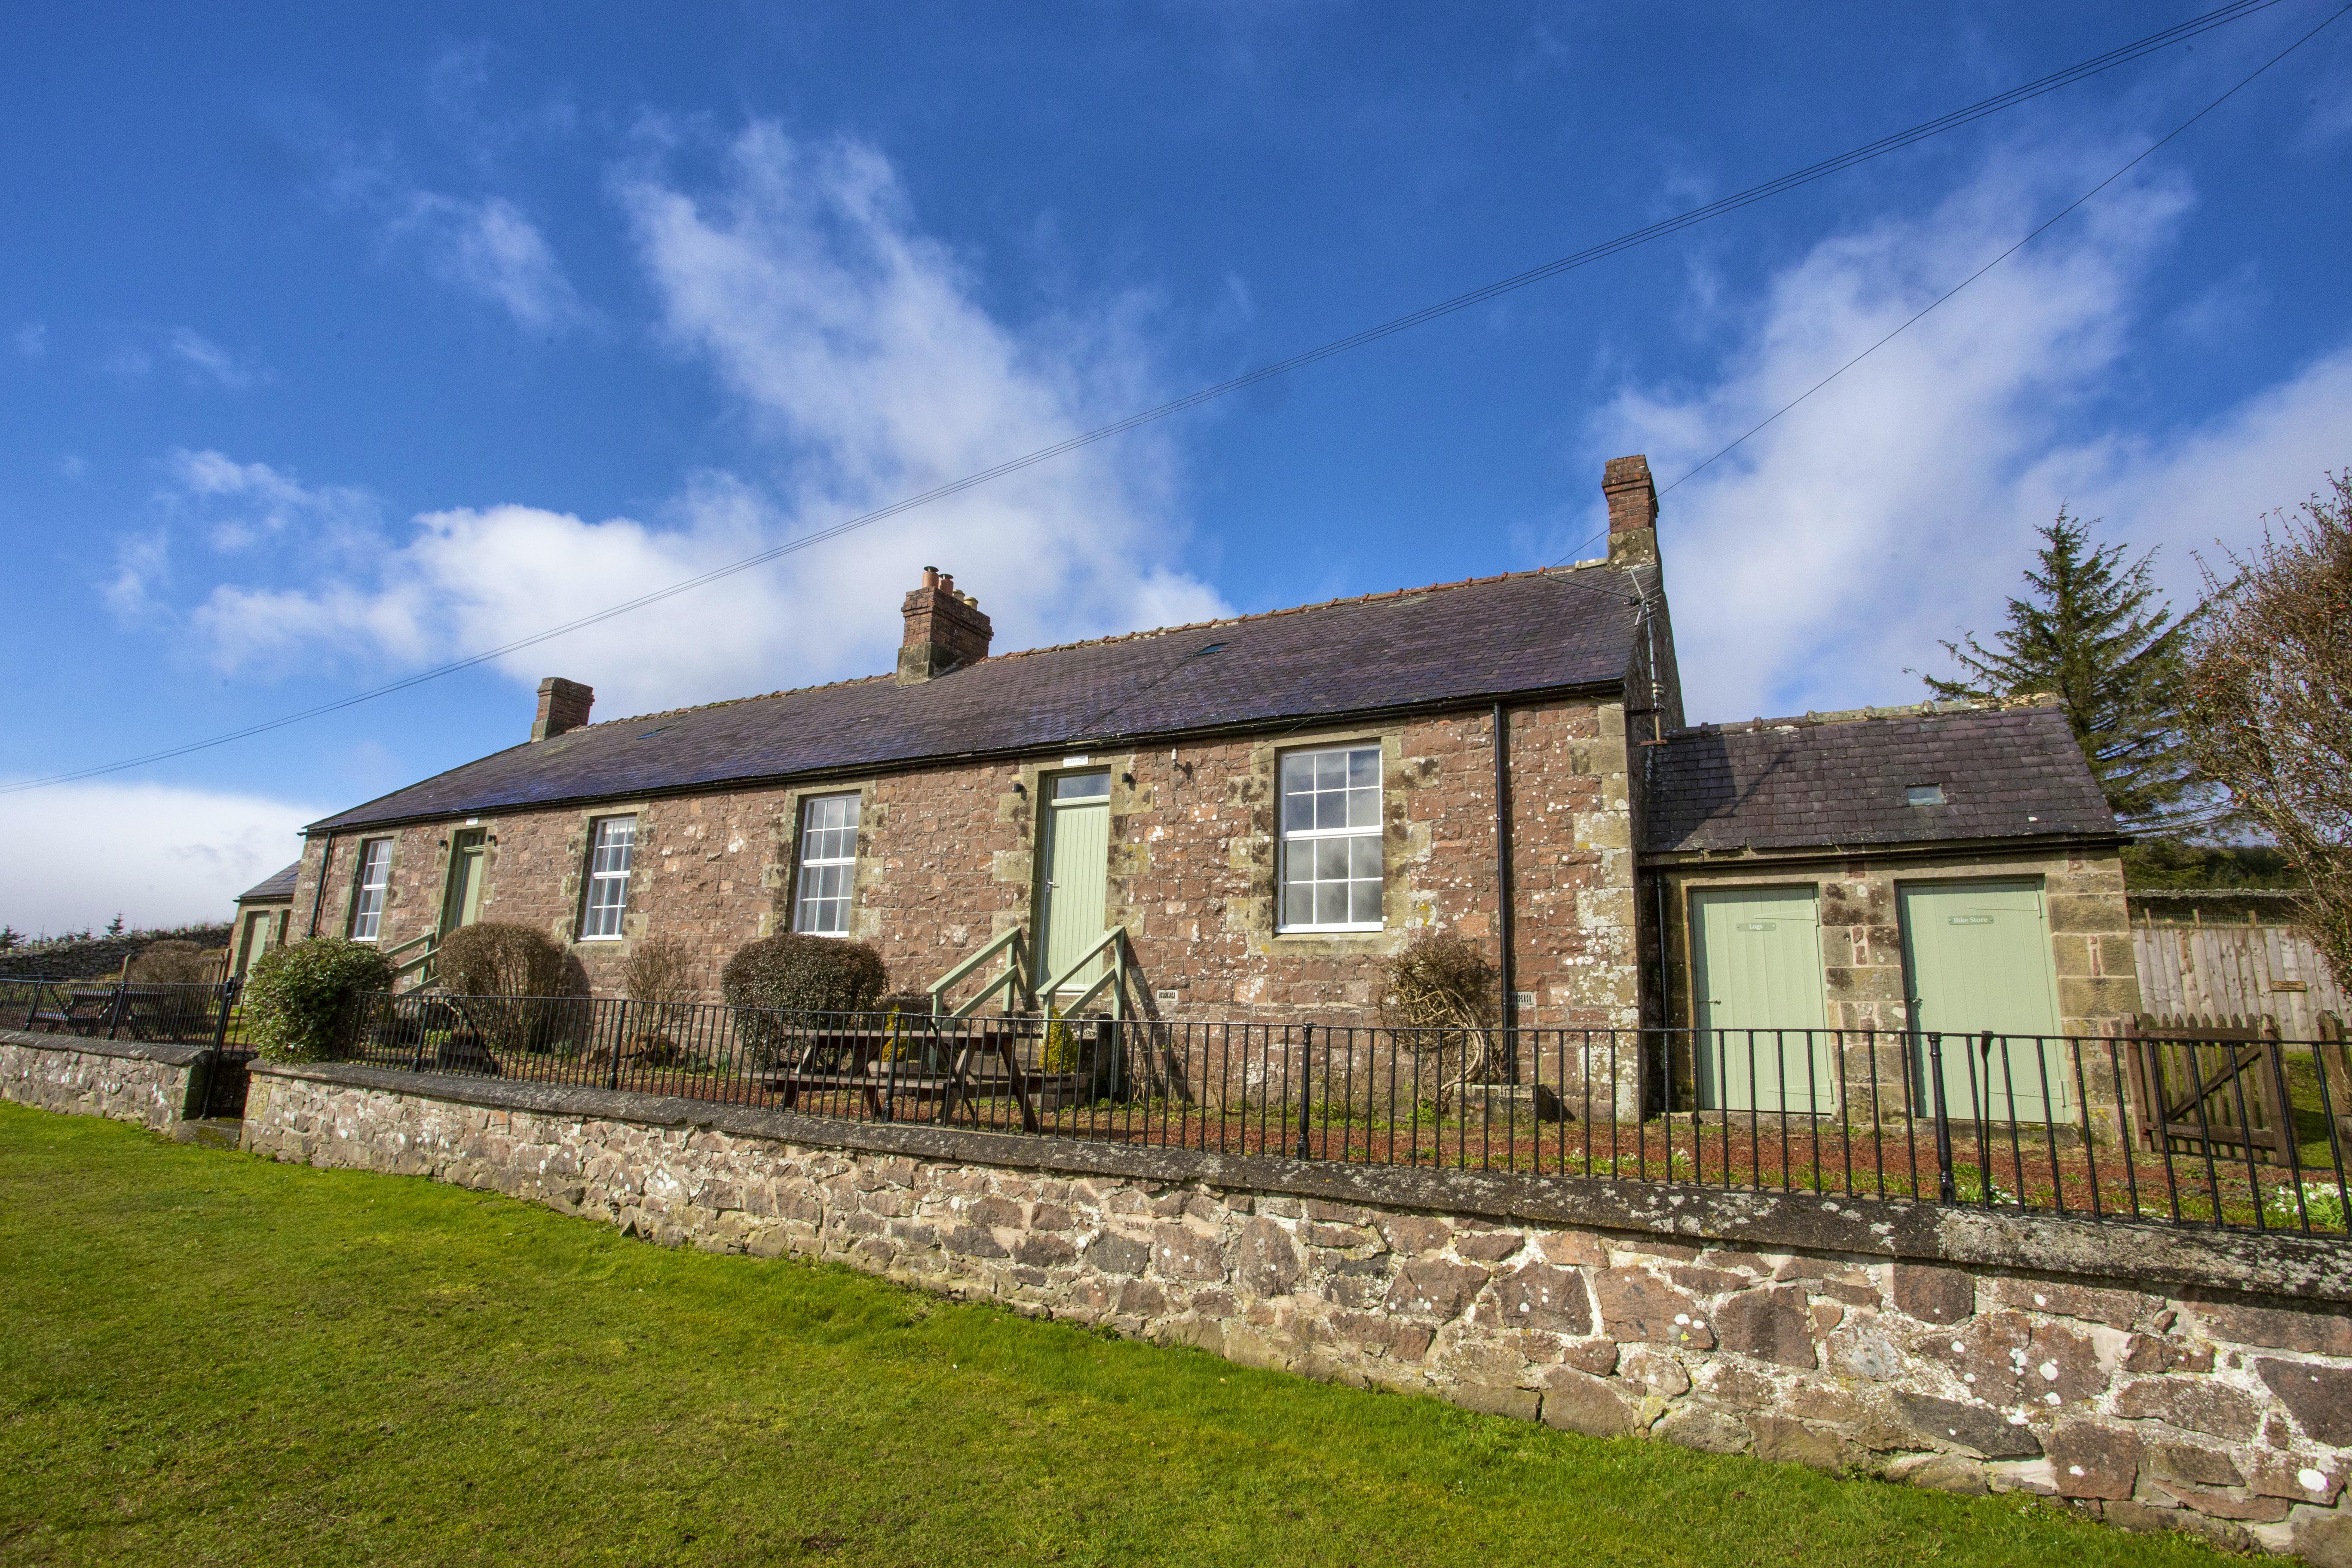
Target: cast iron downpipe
1503, 882
318, 893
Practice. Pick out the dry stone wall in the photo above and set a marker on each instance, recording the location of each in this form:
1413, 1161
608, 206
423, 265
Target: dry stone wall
2155, 1406
147, 1084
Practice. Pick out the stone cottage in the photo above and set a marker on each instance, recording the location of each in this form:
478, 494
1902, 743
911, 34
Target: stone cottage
264, 911
1267, 807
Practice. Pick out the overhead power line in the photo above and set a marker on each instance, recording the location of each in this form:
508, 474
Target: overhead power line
2030, 236
2220, 17
2047, 224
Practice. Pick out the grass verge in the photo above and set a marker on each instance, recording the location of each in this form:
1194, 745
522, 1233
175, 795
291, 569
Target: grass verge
211, 1359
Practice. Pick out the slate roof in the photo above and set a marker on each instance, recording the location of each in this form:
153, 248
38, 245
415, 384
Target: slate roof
1464, 642
2011, 771
278, 886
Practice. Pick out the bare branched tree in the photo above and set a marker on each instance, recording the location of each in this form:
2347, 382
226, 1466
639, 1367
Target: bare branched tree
2269, 703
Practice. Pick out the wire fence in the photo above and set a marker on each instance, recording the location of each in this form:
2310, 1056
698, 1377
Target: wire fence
2228, 1131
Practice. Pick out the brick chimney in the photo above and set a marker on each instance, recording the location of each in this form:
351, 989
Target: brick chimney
945, 630
562, 705
1632, 511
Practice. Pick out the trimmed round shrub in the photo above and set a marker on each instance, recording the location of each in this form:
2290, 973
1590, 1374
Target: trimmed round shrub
175, 963
298, 997
797, 973
500, 958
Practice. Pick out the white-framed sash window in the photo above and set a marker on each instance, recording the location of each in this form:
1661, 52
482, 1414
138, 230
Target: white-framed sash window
369, 884
1332, 839
828, 864
613, 845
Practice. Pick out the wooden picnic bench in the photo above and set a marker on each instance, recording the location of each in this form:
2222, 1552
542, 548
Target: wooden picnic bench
132, 1012
918, 1061
77, 1010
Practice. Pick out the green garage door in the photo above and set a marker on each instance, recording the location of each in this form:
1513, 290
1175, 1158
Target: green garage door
1762, 1042
1977, 955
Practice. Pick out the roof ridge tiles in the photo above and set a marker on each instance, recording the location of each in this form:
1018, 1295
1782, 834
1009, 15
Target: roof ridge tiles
731, 701
1114, 637
1293, 610
1821, 719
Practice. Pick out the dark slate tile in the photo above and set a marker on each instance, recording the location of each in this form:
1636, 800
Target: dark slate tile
1461, 643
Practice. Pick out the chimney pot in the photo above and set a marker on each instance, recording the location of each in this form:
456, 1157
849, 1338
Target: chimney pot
945, 629
562, 705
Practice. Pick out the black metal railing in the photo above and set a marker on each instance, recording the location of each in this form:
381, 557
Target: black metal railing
2224, 1132
175, 1014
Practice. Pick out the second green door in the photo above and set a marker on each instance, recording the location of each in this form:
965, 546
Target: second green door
1977, 955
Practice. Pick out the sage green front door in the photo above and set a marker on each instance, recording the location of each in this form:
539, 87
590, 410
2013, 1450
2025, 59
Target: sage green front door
1976, 957
1078, 873
256, 941
1762, 1018
463, 906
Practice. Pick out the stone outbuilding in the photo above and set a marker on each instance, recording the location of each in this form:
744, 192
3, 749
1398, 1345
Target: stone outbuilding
264, 913
1881, 872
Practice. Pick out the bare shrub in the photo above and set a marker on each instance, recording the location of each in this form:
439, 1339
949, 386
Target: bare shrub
175, 963
1442, 987
2270, 702
659, 972
498, 974
660, 968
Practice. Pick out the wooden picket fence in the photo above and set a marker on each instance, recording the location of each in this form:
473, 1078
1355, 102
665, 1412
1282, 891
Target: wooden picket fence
2222, 971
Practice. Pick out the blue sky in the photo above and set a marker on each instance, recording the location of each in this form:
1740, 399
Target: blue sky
337, 343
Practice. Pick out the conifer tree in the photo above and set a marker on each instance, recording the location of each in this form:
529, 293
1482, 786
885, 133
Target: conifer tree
2094, 634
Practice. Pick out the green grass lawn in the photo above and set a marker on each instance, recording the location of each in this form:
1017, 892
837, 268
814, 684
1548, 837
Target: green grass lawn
205, 1358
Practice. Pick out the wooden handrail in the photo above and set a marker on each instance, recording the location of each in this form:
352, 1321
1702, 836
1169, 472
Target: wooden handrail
421, 963
1115, 976
1015, 975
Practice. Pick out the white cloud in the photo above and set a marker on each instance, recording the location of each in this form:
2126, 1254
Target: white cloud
485, 246
2200, 488
857, 345
158, 854
1895, 507
245, 504
211, 362
141, 564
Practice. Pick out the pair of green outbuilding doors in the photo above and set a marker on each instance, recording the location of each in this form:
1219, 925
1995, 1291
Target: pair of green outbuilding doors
1976, 957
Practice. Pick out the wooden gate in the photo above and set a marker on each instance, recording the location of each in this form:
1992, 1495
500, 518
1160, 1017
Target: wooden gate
2209, 1085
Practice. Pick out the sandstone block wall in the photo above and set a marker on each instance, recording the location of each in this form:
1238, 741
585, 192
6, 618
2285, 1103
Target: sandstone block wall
150, 1084
2091, 952
2153, 1406
947, 861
